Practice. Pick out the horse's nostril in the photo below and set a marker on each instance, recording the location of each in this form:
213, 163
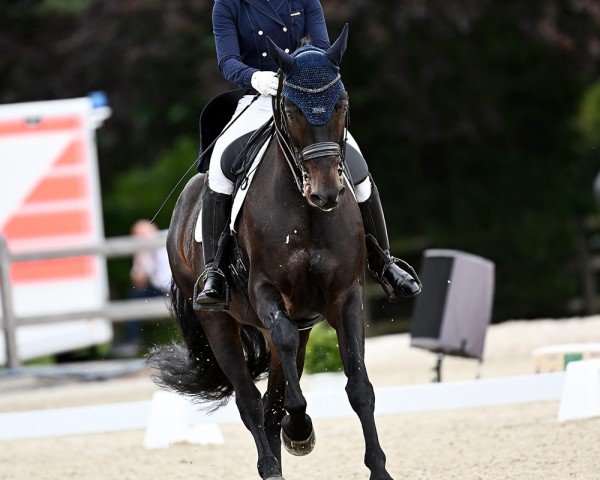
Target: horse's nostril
316, 200
330, 204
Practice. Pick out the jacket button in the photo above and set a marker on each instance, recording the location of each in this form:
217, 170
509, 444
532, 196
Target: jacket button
264, 54
287, 50
285, 29
260, 32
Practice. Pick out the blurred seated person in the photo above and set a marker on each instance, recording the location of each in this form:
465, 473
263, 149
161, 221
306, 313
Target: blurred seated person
150, 277
150, 274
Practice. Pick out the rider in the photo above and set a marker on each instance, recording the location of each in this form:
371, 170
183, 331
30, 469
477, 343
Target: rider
241, 28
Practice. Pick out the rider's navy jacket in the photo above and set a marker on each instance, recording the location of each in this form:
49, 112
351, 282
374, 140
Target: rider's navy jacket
241, 28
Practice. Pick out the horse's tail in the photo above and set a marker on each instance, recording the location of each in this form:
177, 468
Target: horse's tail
191, 368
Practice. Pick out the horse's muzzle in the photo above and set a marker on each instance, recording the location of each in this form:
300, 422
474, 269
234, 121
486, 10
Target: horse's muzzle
326, 200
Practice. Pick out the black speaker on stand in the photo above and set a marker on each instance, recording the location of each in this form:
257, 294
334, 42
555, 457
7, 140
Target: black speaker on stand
452, 314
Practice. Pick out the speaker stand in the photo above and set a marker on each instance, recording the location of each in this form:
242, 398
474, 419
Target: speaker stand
479, 367
438, 367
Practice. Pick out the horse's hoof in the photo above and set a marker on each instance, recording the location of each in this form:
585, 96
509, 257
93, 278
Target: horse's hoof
275, 478
299, 448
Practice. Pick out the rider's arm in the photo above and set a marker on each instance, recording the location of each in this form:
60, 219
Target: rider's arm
316, 28
228, 47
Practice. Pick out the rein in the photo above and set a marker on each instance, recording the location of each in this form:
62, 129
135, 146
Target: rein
296, 158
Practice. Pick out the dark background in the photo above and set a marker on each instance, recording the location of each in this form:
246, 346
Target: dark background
480, 119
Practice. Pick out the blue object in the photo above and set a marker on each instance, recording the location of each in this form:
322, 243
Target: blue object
99, 99
241, 28
314, 84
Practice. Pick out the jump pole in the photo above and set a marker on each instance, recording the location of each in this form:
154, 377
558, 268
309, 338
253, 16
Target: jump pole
8, 314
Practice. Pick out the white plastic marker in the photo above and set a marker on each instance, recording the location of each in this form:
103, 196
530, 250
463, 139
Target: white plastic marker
581, 391
170, 422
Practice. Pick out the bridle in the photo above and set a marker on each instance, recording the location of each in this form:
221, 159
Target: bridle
295, 157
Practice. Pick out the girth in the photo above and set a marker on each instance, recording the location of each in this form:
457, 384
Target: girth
308, 323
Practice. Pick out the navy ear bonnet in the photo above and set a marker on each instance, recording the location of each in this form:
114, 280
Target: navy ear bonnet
314, 84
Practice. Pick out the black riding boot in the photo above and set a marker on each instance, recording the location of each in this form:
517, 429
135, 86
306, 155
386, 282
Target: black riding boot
215, 215
381, 264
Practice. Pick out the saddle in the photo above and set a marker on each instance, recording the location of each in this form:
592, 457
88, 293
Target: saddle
214, 117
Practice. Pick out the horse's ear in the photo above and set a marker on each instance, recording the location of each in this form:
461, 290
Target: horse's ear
336, 51
284, 60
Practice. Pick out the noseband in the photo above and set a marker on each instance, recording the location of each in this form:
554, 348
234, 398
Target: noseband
321, 149
297, 158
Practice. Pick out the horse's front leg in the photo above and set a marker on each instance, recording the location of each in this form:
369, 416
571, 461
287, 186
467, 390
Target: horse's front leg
347, 319
273, 404
274, 397
298, 434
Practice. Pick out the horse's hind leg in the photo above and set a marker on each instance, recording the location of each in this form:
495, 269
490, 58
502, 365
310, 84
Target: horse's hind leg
224, 337
275, 394
297, 428
347, 319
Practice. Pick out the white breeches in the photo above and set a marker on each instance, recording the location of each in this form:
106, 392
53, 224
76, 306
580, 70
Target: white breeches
256, 115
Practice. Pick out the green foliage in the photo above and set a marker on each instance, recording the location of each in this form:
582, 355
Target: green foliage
140, 191
47, 360
68, 6
322, 351
589, 115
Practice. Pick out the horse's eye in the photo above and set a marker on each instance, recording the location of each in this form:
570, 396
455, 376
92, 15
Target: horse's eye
290, 115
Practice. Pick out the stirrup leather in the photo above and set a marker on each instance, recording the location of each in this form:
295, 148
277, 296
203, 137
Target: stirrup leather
211, 307
388, 260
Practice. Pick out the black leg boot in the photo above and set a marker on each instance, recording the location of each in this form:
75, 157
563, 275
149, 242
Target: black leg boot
396, 282
216, 208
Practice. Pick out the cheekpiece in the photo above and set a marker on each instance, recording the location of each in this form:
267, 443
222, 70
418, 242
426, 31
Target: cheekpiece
314, 85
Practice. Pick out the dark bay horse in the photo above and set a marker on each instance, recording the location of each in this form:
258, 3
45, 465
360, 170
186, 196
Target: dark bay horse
306, 257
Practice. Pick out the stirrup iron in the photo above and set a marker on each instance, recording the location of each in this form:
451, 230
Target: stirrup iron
210, 307
388, 260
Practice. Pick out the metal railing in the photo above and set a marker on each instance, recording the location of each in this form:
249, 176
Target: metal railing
117, 311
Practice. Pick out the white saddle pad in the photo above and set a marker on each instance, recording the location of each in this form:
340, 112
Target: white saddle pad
198, 229
240, 196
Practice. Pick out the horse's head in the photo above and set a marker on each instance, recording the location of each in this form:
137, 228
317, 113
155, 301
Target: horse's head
313, 117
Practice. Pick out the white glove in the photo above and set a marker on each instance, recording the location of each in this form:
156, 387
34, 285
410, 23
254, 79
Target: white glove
265, 83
